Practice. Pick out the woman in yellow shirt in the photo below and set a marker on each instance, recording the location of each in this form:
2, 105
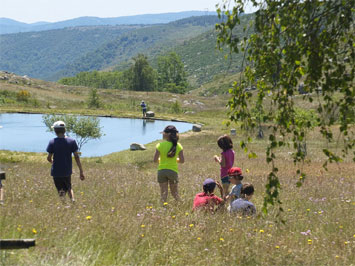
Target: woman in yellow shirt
168, 154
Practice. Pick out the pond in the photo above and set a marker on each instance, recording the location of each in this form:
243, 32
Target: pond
27, 132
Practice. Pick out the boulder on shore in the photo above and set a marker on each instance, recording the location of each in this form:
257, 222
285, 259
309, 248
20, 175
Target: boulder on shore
150, 114
196, 128
137, 147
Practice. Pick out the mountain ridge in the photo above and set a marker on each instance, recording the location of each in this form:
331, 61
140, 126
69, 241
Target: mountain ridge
8, 26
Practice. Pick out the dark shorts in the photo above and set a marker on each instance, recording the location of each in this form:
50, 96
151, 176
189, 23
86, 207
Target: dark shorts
144, 111
225, 180
167, 175
62, 183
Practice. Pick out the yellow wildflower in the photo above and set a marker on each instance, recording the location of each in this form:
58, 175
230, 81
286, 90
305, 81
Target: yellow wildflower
191, 225
346, 242
308, 210
221, 239
289, 210
261, 231
82, 193
337, 257
34, 231
340, 226
173, 216
142, 225
309, 241
142, 235
165, 203
88, 218
186, 213
199, 238
277, 246
247, 170
231, 230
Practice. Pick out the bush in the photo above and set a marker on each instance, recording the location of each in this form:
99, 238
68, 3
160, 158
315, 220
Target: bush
23, 96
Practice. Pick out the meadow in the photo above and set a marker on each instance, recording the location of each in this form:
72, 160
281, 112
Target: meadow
118, 218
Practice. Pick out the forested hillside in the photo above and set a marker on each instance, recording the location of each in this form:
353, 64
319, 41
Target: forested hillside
151, 41
40, 54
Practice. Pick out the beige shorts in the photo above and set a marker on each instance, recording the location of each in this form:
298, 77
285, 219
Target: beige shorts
167, 175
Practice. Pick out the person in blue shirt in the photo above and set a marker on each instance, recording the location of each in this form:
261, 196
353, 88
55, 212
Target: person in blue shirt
243, 205
60, 150
235, 177
144, 108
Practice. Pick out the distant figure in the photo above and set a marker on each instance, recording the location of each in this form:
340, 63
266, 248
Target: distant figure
168, 154
206, 200
144, 108
243, 204
1, 194
226, 160
235, 177
60, 151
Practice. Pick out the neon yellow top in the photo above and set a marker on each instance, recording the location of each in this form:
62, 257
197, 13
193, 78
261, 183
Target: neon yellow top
166, 162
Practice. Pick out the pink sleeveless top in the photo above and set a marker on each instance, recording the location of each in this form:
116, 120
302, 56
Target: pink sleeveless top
229, 158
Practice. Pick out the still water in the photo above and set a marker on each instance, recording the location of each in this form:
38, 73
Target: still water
27, 132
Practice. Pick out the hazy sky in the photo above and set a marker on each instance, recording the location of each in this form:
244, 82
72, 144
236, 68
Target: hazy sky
56, 10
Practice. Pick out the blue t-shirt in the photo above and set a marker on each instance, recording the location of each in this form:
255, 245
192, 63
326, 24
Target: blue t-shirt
62, 149
236, 191
243, 206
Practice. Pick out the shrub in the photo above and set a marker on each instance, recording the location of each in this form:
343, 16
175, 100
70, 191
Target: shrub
23, 96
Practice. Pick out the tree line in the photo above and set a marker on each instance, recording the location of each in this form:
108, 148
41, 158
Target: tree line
169, 76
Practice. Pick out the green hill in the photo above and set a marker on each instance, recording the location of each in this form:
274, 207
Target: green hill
151, 41
40, 54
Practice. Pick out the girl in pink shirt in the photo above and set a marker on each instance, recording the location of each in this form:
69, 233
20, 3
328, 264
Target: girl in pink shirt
226, 160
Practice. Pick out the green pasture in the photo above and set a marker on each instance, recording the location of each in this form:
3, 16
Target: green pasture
118, 218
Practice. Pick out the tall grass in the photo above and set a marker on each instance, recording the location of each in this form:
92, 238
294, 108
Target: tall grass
118, 218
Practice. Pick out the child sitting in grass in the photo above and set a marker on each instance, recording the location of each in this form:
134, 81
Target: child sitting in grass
243, 204
206, 200
235, 177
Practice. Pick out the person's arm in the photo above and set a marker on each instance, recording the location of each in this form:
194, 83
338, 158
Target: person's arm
181, 157
49, 157
221, 160
156, 156
77, 160
220, 190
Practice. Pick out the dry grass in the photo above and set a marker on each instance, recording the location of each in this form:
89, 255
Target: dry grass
119, 220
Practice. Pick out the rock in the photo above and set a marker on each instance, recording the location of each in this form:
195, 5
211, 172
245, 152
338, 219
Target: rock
233, 132
196, 128
137, 147
150, 114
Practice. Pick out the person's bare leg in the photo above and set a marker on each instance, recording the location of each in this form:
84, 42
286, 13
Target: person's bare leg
174, 191
71, 195
225, 189
1, 196
164, 191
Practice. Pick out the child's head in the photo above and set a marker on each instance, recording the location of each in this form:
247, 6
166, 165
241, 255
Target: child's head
225, 142
209, 185
235, 175
170, 133
59, 127
247, 190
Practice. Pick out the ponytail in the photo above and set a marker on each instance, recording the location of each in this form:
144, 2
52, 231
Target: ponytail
173, 137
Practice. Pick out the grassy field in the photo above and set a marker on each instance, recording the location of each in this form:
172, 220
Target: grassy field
118, 218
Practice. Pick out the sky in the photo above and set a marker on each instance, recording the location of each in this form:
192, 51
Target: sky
30, 11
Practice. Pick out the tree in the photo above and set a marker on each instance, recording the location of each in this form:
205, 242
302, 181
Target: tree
141, 75
171, 71
83, 128
309, 42
94, 99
